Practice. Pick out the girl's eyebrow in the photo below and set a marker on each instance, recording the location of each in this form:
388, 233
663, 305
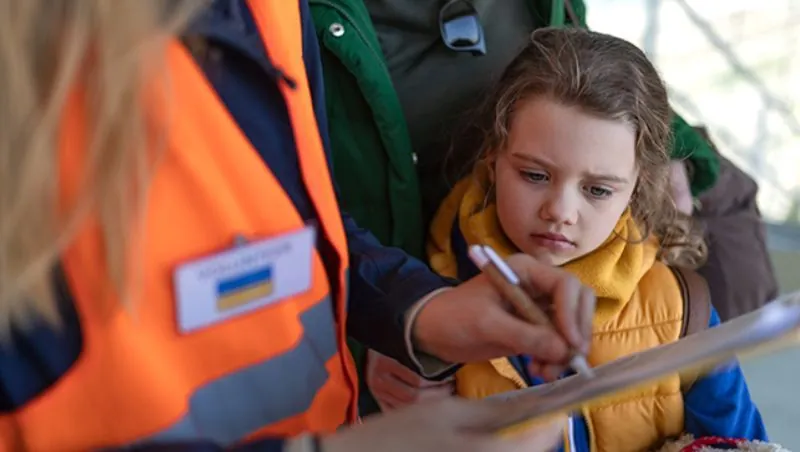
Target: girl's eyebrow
532, 159
608, 178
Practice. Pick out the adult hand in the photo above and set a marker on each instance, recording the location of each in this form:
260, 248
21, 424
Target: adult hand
472, 322
393, 385
442, 426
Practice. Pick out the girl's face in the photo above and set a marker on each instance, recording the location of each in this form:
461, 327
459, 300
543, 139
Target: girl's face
564, 180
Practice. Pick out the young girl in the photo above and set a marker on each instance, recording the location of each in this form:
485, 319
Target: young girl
572, 168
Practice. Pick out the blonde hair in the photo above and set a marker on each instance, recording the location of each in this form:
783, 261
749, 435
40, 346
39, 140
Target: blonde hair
47, 47
611, 78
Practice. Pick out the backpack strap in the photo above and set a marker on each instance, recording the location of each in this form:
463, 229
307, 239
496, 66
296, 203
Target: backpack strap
696, 300
696, 308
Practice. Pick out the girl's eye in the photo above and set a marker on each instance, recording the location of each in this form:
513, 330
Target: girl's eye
598, 192
533, 176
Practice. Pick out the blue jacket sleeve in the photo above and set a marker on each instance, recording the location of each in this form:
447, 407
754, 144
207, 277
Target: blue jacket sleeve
384, 282
719, 404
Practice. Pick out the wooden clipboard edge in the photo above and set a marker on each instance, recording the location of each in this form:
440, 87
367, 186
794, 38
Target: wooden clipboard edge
511, 417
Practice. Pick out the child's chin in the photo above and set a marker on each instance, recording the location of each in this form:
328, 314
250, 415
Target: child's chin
550, 258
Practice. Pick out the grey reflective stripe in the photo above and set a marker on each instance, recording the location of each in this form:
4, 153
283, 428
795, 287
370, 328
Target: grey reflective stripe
229, 408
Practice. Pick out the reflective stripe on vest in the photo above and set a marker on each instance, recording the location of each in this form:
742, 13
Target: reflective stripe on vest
278, 370
261, 405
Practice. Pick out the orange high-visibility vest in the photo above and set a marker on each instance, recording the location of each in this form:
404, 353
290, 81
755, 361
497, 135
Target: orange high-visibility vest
279, 370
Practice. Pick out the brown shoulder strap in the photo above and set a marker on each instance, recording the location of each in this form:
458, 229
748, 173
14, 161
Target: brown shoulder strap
696, 309
696, 300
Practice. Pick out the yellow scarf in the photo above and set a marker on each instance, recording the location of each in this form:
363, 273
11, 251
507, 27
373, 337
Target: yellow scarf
613, 270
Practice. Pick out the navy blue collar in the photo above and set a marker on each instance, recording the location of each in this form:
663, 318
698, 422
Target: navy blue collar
230, 23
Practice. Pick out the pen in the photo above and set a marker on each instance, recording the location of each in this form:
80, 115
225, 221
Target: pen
508, 283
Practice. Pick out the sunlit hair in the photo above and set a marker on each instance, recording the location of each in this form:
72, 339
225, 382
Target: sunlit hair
47, 49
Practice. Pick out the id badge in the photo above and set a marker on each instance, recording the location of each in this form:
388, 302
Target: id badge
247, 277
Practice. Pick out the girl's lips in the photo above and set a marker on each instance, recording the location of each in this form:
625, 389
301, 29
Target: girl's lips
553, 242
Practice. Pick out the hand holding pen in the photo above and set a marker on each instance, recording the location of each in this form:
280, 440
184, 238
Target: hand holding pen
473, 321
508, 283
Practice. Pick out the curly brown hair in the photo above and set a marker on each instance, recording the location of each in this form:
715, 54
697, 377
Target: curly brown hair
611, 78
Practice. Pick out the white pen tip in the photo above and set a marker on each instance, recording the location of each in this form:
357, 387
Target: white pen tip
581, 366
478, 256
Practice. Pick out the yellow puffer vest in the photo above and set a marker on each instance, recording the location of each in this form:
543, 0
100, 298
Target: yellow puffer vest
632, 421
640, 306
637, 420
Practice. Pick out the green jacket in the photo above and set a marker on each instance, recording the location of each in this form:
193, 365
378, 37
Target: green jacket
373, 162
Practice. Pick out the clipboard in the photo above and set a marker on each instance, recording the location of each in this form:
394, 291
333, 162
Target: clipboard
775, 325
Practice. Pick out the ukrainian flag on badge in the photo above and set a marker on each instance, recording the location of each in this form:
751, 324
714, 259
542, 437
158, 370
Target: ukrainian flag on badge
244, 289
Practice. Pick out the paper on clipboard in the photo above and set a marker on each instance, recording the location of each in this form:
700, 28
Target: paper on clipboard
775, 323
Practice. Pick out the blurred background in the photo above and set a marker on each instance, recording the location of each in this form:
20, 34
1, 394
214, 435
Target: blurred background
734, 66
